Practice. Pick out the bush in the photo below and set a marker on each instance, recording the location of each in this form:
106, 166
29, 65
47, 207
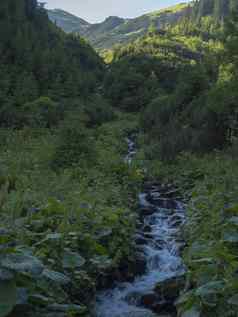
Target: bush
98, 111
75, 142
43, 112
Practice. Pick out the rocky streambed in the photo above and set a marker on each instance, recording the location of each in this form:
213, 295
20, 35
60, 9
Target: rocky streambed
161, 215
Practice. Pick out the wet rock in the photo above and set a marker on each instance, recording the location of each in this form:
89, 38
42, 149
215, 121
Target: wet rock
177, 218
127, 271
148, 186
165, 307
155, 189
139, 240
154, 303
133, 298
140, 249
147, 228
149, 300
181, 247
140, 264
172, 193
169, 289
149, 235
165, 203
147, 211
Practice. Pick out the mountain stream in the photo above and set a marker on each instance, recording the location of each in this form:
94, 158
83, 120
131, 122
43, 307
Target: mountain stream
158, 238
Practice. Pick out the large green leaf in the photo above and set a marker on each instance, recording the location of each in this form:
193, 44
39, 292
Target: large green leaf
199, 249
21, 263
101, 262
234, 220
233, 300
233, 209
72, 260
203, 260
184, 298
214, 287
8, 297
193, 312
231, 237
54, 236
56, 277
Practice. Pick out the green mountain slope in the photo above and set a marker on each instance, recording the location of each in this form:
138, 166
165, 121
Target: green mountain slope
38, 59
218, 9
68, 22
116, 30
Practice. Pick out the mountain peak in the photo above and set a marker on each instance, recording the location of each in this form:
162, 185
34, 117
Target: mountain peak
113, 18
67, 21
110, 23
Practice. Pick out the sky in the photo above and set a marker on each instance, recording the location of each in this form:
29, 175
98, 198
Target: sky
97, 10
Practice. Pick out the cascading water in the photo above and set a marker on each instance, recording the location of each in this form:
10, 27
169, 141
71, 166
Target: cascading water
131, 150
159, 240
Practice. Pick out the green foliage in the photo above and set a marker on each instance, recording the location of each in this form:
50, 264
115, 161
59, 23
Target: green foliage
37, 59
212, 264
63, 230
190, 106
140, 71
74, 142
7, 297
98, 111
42, 112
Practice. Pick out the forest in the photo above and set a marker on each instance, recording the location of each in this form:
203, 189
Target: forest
68, 198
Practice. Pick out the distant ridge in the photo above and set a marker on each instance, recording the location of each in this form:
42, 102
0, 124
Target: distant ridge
67, 21
115, 30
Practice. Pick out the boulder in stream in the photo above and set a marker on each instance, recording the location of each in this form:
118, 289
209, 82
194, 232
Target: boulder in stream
153, 302
170, 289
164, 203
140, 264
147, 211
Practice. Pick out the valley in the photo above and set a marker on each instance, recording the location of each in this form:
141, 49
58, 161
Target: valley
118, 162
